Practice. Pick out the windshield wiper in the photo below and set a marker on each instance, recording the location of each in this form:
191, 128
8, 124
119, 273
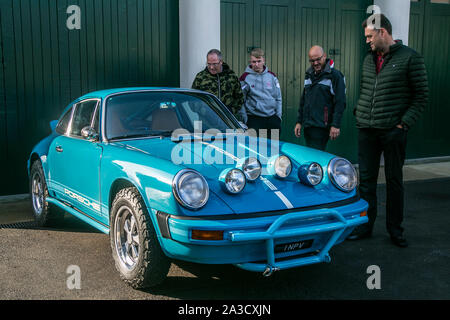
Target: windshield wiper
153, 134
162, 133
204, 137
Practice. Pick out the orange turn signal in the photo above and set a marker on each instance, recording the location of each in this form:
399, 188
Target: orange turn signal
363, 214
207, 235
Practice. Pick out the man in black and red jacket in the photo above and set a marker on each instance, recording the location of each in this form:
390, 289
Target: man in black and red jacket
323, 101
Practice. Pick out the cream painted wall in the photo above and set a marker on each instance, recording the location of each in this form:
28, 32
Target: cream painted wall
199, 32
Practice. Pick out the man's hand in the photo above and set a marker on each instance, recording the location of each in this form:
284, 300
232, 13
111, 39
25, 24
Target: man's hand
334, 133
297, 130
402, 126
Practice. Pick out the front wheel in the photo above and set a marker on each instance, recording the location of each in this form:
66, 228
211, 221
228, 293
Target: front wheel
44, 215
135, 248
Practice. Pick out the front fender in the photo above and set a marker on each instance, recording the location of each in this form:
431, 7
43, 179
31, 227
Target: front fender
301, 155
40, 151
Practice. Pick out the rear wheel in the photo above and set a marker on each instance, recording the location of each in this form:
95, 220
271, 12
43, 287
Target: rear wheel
135, 248
44, 215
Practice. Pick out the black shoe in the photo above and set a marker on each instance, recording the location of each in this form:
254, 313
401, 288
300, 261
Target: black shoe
399, 241
360, 233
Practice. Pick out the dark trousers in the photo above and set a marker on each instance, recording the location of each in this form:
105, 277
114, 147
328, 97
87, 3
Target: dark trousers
316, 137
269, 123
392, 143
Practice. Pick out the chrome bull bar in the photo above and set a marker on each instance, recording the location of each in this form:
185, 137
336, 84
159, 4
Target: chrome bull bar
274, 232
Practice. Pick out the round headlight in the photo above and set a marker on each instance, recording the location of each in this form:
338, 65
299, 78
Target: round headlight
190, 189
280, 166
232, 180
310, 174
342, 174
251, 168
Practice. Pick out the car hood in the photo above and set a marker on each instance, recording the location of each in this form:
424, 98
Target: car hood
267, 193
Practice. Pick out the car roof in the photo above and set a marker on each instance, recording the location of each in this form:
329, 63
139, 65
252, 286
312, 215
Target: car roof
104, 93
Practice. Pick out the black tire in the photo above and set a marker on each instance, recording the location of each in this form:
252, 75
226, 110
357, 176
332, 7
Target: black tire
135, 248
44, 214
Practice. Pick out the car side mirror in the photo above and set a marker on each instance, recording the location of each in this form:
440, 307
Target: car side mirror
89, 133
53, 125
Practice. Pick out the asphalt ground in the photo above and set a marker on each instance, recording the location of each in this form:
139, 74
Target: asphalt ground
35, 263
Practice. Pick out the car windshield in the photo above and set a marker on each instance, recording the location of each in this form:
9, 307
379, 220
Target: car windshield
141, 114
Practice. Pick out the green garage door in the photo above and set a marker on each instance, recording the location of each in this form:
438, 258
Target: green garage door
429, 34
286, 30
44, 65
351, 48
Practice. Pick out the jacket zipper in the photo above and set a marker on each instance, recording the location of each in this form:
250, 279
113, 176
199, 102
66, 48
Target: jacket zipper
218, 84
325, 116
373, 97
385, 60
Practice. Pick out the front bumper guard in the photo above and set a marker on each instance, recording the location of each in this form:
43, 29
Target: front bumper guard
274, 232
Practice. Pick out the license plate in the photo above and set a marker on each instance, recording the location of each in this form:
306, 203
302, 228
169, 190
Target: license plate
293, 246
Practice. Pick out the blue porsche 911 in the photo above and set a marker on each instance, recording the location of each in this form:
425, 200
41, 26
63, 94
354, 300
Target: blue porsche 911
171, 174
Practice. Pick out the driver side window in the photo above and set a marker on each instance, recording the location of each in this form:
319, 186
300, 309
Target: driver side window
82, 116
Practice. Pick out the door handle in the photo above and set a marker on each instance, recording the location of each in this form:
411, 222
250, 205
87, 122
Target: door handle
59, 149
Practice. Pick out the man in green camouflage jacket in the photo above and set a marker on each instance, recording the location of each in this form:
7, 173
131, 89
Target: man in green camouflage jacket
218, 78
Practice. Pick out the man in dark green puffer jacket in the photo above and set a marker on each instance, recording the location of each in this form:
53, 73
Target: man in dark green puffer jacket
394, 93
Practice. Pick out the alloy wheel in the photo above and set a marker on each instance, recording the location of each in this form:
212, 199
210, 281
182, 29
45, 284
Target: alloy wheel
127, 238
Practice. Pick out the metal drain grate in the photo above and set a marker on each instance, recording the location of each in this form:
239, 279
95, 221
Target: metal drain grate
19, 225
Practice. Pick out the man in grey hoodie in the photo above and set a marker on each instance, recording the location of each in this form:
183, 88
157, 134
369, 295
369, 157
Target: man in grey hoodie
262, 95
